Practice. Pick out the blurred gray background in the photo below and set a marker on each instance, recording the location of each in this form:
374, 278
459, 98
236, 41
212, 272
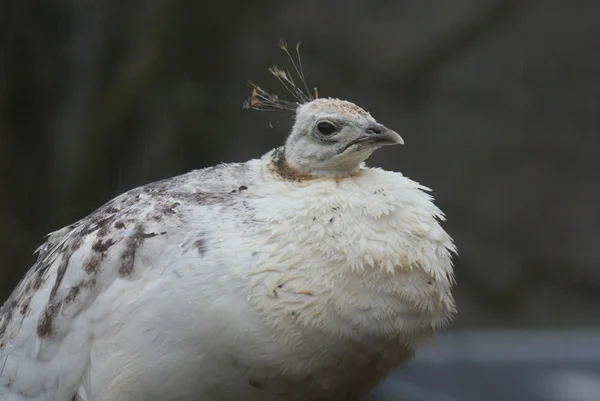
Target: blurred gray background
497, 100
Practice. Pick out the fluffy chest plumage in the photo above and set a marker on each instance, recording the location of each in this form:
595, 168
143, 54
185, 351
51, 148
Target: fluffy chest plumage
347, 275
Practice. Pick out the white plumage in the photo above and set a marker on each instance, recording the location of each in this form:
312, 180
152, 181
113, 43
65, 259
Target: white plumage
303, 275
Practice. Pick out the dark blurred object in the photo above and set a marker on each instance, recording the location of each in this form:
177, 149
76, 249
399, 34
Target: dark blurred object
497, 101
501, 366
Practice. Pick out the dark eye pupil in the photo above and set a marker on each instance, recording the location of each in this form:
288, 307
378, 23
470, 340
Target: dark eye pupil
326, 128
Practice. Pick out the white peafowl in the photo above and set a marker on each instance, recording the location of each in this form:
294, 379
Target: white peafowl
300, 276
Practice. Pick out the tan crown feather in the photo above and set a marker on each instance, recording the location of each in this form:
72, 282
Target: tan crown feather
265, 101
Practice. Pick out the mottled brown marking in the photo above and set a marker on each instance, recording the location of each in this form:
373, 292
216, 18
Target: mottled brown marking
281, 167
92, 263
62, 269
101, 245
200, 245
45, 326
242, 188
41, 266
255, 383
72, 294
25, 306
75, 242
148, 235
26, 296
6, 313
120, 225
202, 198
104, 226
38, 282
131, 245
97, 221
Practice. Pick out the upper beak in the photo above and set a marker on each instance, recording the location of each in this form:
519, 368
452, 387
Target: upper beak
381, 135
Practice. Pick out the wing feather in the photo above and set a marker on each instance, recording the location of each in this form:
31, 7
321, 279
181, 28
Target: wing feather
46, 324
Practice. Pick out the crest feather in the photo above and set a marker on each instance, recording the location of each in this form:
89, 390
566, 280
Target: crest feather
265, 101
